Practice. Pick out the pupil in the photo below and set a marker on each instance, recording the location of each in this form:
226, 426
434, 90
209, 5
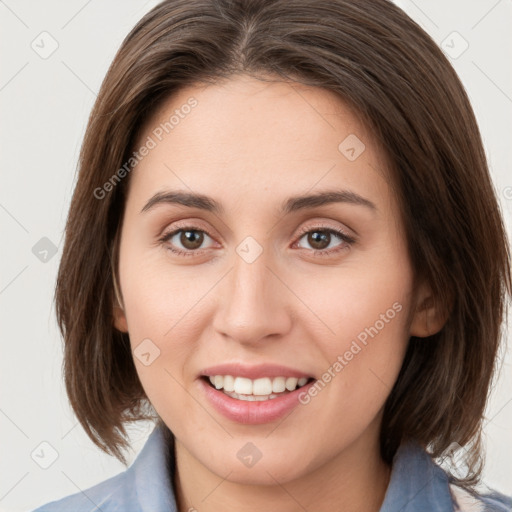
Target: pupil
319, 238
187, 239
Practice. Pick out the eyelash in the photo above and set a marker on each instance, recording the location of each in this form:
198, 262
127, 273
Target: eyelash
321, 252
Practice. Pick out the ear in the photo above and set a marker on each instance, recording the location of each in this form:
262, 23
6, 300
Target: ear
120, 322
427, 318
119, 316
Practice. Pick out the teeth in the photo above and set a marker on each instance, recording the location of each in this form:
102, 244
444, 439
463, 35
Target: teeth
279, 385
291, 383
243, 386
263, 387
251, 398
219, 381
229, 383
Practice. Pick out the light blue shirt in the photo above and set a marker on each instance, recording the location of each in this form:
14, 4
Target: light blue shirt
417, 484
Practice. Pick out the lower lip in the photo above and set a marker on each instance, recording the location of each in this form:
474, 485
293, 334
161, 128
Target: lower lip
254, 413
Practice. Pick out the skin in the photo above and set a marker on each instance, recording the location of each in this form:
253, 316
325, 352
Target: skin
251, 145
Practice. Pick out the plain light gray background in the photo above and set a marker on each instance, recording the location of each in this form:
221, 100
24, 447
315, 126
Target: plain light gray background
45, 101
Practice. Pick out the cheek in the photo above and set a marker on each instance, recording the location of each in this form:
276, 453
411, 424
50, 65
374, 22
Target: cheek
360, 324
360, 300
162, 306
157, 294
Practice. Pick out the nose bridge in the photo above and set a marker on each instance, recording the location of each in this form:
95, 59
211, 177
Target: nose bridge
253, 302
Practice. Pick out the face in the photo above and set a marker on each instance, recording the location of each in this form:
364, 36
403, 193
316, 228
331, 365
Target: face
264, 288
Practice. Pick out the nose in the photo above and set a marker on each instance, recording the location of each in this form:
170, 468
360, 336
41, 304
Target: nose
253, 303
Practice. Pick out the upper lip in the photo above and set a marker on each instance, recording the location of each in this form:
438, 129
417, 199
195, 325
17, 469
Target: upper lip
253, 371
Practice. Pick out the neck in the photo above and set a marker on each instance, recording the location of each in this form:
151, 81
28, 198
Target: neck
357, 477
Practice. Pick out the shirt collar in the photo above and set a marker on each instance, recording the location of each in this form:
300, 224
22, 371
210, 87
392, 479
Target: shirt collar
150, 470
416, 483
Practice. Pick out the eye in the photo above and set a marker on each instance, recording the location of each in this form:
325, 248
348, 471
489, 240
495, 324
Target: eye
190, 238
187, 240
321, 239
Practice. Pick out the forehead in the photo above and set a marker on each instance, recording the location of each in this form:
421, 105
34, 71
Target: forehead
245, 136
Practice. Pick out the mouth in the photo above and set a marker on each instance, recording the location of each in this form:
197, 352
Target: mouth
256, 390
254, 394
254, 402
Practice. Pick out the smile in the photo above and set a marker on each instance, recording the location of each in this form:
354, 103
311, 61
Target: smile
256, 390
253, 409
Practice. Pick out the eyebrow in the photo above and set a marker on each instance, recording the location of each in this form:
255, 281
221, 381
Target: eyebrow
293, 204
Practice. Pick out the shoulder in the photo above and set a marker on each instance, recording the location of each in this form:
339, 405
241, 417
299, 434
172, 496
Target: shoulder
418, 483
113, 494
466, 501
145, 485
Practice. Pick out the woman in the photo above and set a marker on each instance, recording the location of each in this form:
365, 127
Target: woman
284, 246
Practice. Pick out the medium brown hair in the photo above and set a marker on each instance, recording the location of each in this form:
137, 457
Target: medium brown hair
382, 64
